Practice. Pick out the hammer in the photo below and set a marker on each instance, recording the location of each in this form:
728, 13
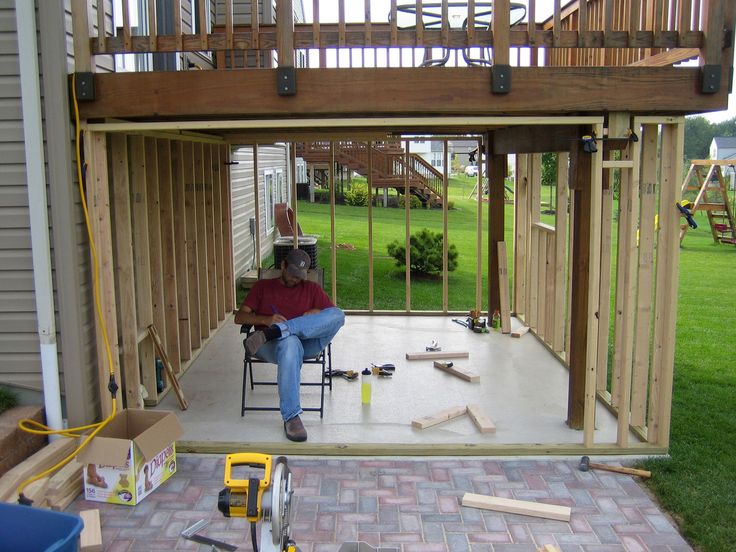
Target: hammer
586, 464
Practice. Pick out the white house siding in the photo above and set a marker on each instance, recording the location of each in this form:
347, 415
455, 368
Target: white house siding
272, 164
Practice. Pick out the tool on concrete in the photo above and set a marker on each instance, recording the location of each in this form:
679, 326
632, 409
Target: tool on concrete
377, 371
350, 375
586, 464
267, 500
190, 533
387, 366
433, 346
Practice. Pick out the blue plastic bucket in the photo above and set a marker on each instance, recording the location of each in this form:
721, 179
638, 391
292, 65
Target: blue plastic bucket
28, 529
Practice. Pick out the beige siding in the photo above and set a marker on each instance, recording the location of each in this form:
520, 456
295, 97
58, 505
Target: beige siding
272, 160
19, 347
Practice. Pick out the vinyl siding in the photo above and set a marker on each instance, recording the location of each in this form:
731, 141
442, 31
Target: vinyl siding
271, 160
19, 347
19, 343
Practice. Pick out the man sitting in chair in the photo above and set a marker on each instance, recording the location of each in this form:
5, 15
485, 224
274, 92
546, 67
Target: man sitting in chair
294, 320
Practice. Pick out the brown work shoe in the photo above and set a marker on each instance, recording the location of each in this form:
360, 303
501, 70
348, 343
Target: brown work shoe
254, 342
294, 429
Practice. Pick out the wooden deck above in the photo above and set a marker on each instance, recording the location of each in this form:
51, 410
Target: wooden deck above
588, 58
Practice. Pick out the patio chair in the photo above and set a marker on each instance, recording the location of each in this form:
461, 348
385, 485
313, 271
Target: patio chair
323, 359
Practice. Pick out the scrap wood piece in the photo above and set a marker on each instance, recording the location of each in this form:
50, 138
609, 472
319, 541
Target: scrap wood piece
462, 373
64, 479
48, 456
167, 364
429, 355
521, 331
548, 548
523, 507
91, 538
439, 417
481, 420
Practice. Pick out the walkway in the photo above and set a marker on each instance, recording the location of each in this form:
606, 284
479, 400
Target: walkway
410, 504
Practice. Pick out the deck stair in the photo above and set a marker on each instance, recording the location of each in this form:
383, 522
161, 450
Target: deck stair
705, 179
390, 165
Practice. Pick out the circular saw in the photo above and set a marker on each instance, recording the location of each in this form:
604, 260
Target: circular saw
267, 500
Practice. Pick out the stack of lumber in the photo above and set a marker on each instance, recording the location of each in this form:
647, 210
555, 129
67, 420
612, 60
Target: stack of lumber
56, 491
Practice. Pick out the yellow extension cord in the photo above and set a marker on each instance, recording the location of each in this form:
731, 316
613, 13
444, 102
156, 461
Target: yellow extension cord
32, 426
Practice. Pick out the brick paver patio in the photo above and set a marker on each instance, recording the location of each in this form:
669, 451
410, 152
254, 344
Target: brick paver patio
410, 504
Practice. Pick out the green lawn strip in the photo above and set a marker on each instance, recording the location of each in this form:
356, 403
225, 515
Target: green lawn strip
698, 483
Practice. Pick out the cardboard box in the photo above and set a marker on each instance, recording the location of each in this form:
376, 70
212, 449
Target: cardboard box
131, 456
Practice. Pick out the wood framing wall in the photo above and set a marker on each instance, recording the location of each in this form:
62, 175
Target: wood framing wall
162, 226
604, 302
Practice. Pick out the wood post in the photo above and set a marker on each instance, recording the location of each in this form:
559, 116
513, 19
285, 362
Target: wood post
98, 206
496, 169
668, 254
168, 263
124, 270
581, 164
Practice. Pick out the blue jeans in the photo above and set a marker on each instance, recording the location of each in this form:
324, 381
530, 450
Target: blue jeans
301, 337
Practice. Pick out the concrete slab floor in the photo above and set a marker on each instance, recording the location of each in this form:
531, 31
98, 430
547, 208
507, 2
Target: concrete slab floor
410, 504
522, 389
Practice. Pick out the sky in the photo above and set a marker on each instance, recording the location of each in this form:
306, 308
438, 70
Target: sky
355, 12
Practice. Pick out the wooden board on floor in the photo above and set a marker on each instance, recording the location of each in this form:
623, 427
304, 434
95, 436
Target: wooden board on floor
520, 331
167, 365
481, 420
430, 355
462, 373
522, 507
91, 538
439, 417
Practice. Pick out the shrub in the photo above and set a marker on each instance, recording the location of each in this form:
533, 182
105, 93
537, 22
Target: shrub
414, 202
425, 251
357, 195
8, 399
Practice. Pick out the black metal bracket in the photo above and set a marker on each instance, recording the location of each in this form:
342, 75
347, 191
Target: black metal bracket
501, 79
710, 79
286, 81
84, 87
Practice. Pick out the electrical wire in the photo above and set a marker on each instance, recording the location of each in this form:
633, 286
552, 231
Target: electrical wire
37, 428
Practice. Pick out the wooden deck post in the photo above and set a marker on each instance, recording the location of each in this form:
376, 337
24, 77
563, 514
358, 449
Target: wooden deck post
580, 184
286, 75
496, 169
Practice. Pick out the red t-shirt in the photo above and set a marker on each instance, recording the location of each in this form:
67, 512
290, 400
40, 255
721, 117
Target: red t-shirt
271, 296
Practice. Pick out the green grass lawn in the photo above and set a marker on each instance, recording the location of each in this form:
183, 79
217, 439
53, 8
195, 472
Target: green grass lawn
697, 485
351, 227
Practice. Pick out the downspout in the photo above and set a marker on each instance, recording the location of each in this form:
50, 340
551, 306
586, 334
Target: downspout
25, 13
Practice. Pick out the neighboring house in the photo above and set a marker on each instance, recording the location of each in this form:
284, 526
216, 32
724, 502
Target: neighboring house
724, 148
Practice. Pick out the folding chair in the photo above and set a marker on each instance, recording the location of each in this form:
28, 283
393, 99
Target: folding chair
323, 359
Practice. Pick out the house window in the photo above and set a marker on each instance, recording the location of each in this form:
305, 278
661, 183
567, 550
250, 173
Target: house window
269, 191
280, 188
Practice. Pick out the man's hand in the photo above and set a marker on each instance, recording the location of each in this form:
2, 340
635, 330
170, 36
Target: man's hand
275, 319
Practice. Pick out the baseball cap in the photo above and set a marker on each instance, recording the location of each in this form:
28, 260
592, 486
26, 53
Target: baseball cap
298, 262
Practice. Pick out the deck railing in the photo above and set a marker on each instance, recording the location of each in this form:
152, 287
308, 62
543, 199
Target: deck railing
432, 33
